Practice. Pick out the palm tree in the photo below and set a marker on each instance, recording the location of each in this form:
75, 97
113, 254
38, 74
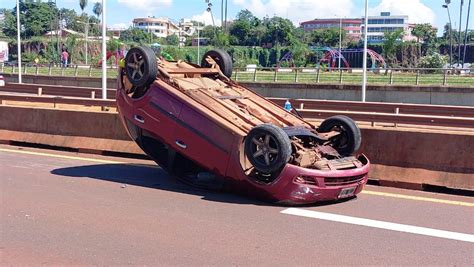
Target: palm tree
82, 4
97, 9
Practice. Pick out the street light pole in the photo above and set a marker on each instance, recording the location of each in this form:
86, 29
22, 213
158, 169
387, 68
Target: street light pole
459, 33
87, 36
18, 39
340, 40
466, 33
199, 45
450, 36
104, 50
364, 64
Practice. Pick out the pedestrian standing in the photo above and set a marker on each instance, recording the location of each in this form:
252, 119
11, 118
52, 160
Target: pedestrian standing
64, 58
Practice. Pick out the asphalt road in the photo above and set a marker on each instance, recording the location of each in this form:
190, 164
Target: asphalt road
67, 208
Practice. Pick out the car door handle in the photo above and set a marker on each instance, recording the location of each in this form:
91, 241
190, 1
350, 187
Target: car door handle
139, 118
181, 144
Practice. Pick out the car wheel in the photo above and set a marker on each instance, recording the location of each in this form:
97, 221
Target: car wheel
222, 58
141, 66
349, 139
268, 148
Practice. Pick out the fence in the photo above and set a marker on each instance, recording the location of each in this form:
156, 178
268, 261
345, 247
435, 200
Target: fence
400, 76
58, 70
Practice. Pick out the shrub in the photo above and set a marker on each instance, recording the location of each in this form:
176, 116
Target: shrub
434, 60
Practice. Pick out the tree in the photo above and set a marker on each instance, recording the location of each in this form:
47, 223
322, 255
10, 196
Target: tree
97, 9
82, 5
36, 18
240, 29
326, 37
391, 39
427, 34
424, 32
172, 39
279, 30
136, 35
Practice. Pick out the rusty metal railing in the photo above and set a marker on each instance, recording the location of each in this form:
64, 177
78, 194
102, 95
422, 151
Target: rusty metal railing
396, 113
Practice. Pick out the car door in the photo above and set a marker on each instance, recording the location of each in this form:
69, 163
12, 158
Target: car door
157, 113
202, 140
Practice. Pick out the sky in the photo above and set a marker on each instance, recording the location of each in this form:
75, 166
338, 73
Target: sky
122, 12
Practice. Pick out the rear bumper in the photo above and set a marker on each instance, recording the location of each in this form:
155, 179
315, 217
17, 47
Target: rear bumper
297, 185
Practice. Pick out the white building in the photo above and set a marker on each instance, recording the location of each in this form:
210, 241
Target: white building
379, 25
160, 27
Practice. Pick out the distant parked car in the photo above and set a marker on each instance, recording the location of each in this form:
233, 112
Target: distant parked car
194, 121
2, 81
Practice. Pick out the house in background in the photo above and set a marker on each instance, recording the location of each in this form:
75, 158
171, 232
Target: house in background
160, 27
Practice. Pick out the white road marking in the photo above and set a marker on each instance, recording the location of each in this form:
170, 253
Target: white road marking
380, 224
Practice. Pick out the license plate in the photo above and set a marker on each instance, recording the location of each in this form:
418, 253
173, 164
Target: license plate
347, 192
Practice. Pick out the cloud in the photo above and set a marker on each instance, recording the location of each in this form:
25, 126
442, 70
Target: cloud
146, 5
299, 10
206, 18
120, 26
417, 11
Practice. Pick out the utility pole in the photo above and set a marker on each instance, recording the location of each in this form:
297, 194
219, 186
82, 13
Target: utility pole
450, 34
225, 16
104, 50
466, 33
87, 36
18, 39
364, 64
340, 41
459, 33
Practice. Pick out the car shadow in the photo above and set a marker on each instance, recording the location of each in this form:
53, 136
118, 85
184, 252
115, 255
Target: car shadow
152, 176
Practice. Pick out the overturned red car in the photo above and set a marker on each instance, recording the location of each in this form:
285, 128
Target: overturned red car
194, 119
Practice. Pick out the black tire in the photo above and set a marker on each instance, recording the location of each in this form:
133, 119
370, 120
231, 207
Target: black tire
141, 66
222, 58
268, 148
350, 138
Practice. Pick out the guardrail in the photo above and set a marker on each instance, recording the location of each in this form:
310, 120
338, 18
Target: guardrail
58, 100
378, 107
400, 76
396, 113
54, 90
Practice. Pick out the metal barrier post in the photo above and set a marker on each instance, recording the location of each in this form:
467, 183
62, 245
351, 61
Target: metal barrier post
93, 94
391, 77
296, 75
90, 70
301, 105
317, 75
13, 69
417, 82
445, 77
62, 71
237, 76
397, 111
75, 71
275, 78
255, 75
26, 66
340, 76
40, 91
37, 70
49, 69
